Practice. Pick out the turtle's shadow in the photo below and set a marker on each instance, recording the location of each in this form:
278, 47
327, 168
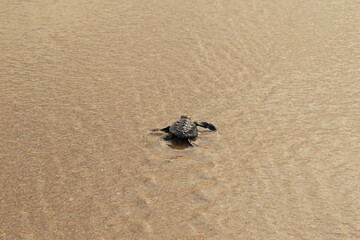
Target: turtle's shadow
178, 143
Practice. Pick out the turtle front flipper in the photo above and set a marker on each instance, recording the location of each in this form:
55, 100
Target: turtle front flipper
205, 125
167, 129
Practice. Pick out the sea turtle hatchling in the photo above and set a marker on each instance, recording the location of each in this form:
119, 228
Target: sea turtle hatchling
185, 128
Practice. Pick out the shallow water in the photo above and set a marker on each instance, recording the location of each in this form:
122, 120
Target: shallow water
84, 82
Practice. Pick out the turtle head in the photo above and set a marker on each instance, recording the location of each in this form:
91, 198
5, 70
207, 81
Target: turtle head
184, 117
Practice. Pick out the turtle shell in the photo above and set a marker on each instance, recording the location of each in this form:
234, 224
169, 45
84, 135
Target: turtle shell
184, 128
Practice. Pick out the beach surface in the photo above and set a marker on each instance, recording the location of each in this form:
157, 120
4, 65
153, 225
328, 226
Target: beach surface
82, 83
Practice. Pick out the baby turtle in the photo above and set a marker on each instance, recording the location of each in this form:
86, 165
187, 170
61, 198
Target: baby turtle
185, 128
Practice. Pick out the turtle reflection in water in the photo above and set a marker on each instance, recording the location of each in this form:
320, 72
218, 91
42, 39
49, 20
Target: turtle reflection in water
184, 128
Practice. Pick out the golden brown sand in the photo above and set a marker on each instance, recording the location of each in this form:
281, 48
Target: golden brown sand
83, 82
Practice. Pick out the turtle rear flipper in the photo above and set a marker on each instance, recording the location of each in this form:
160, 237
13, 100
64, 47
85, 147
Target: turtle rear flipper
168, 137
192, 143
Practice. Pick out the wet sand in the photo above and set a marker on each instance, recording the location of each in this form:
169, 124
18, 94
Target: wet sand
82, 83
